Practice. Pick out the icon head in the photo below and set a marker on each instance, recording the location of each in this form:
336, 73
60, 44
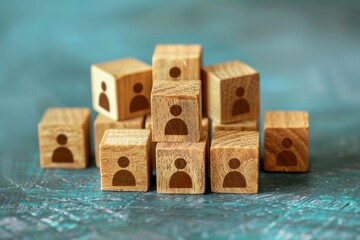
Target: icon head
240, 91
61, 139
234, 163
175, 110
175, 72
286, 143
138, 87
123, 162
103, 86
180, 163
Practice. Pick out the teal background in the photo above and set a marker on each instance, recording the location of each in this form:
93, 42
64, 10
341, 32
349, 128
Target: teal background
307, 53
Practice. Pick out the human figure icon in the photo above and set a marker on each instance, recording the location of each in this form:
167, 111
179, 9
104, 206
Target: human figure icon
62, 154
234, 179
139, 102
176, 126
286, 157
123, 177
180, 179
240, 106
103, 99
175, 72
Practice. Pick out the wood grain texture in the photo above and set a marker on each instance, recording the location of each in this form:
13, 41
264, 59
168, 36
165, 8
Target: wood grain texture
102, 123
64, 138
181, 167
177, 62
286, 141
176, 111
231, 92
133, 145
121, 88
249, 125
234, 162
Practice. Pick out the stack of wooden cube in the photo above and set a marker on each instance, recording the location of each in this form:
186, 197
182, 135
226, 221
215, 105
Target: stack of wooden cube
157, 118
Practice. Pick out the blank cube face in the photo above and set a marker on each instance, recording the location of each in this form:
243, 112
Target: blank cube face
124, 160
176, 111
234, 162
101, 124
231, 92
181, 167
121, 89
177, 62
64, 138
286, 142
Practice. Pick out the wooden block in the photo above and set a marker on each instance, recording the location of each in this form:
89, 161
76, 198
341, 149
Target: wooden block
234, 162
231, 92
286, 141
121, 88
180, 167
177, 62
152, 145
248, 125
176, 111
102, 123
64, 138
124, 160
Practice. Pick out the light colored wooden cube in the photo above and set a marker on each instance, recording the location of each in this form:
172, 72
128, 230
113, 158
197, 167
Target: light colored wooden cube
248, 125
286, 147
176, 111
124, 160
177, 62
234, 162
181, 167
231, 92
102, 123
64, 138
121, 88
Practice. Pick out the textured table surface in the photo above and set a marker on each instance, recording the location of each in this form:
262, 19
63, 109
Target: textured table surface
308, 57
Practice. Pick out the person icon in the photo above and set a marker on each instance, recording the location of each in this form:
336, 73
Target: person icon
180, 179
175, 72
103, 99
62, 154
139, 102
123, 177
234, 179
286, 157
176, 126
240, 106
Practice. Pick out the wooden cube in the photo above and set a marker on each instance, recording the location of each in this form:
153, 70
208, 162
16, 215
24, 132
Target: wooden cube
64, 138
247, 125
234, 162
176, 111
121, 88
177, 62
286, 147
102, 123
231, 92
181, 167
124, 160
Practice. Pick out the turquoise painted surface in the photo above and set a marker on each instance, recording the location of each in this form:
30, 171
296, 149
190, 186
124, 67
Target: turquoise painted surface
307, 53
